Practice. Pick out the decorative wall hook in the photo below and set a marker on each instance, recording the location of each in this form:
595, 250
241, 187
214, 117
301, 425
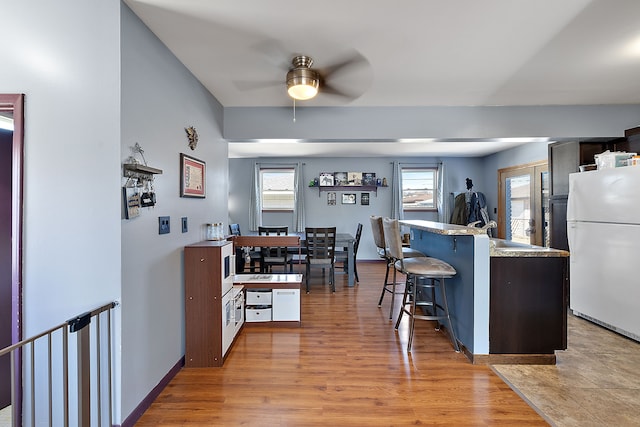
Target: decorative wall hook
192, 136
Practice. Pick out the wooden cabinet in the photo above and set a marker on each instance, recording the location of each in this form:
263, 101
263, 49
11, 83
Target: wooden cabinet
208, 277
528, 305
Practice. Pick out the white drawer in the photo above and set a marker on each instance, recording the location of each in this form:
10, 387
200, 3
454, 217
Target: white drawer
258, 315
258, 297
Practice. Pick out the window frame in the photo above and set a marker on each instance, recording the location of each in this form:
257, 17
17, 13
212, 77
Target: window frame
420, 169
267, 170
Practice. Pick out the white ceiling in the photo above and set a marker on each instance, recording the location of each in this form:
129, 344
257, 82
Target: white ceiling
417, 53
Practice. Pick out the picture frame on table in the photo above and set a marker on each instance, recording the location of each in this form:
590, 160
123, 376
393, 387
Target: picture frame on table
193, 177
348, 198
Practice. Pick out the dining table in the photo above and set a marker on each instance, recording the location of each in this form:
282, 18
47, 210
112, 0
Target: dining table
297, 239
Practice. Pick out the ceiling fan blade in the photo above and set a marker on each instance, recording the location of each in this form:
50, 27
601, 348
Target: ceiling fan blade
328, 89
348, 77
354, 60
274, 53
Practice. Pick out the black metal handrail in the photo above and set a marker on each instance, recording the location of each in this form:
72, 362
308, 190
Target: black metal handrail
33, 410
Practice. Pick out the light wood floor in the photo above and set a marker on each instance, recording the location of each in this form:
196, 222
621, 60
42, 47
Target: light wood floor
346, 366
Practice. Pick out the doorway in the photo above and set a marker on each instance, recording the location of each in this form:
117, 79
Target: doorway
523, 200
11, 159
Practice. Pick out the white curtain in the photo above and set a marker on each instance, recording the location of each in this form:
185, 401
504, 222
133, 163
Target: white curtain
298, 196
255, 213
443, 206
396, 192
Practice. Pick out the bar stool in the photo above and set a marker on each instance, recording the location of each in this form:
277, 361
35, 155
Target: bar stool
424, 275
378, 238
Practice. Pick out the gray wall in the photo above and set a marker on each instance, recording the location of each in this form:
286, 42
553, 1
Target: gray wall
93, 89
65, 57
159, 99
483, 171
344, 217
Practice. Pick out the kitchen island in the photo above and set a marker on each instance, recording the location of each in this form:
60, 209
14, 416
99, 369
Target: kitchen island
508, 301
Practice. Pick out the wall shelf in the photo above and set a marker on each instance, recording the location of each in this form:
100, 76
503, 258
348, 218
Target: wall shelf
132, 170
347, 188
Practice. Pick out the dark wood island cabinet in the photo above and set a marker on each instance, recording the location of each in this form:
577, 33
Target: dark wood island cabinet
528, 305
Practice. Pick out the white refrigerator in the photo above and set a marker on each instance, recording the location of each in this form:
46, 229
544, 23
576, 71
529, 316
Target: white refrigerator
603, 227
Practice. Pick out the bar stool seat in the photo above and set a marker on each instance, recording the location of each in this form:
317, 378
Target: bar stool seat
424, 276
378, 238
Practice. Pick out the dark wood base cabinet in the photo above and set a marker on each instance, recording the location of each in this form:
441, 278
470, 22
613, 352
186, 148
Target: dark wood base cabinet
528, 305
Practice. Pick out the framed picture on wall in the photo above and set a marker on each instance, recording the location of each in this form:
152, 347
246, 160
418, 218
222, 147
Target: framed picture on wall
364, 199
331, 198
326, 179
348, 198
193, 174
340, 178
354, 178
368, 178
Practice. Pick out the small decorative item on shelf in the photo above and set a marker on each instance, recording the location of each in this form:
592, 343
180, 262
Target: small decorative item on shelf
384, 182
326, 179
368, 178
379, 182
354, 178
313, 182
340, 179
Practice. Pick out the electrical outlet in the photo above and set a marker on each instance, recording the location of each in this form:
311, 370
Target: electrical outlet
185, 227
164, 225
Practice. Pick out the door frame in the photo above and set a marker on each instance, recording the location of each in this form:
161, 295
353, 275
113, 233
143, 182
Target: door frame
15, 103
535, 168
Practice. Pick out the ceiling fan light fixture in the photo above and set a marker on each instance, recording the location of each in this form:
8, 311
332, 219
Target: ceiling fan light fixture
302, 81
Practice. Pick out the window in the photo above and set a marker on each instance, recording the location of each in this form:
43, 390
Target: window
419, 189
277, 189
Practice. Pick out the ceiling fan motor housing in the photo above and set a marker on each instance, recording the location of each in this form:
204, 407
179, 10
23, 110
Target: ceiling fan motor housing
302, 81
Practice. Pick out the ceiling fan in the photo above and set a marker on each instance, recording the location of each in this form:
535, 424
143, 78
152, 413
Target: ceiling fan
346, 78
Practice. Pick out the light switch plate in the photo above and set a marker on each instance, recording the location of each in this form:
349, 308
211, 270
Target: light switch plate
185, 227
164, 225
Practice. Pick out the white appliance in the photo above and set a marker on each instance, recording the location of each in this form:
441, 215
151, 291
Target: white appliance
229, 299
238, 299
603, 227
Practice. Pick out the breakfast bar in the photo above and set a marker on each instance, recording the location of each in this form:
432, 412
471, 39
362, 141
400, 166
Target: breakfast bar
508, 301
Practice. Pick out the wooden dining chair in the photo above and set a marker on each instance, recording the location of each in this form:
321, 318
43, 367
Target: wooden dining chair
342, 256
274, 256
241, 253
320, 243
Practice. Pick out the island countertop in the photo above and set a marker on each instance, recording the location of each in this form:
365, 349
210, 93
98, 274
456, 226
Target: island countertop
507, 248
442, 228
497, 247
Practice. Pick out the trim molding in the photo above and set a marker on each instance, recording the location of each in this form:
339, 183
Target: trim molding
152, 396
